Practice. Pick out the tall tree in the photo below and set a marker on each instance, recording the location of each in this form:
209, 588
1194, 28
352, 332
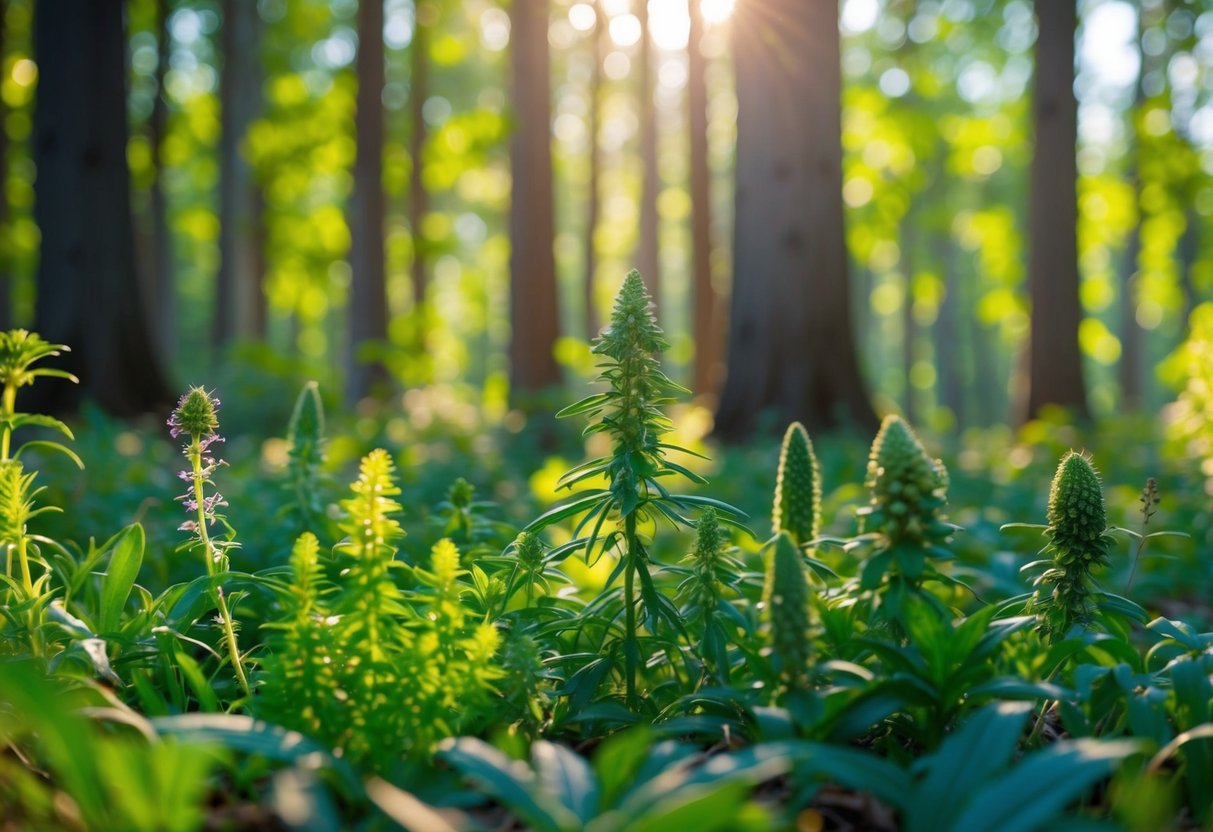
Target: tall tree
239, 296
534, 311
368, 289
163, 291
705, 328
89, 295
1055, 375
6, 259
791, 349
647, 260
1131, 367
597, 39
419, 198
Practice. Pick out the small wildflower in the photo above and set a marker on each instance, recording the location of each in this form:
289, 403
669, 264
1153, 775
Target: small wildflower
196, 415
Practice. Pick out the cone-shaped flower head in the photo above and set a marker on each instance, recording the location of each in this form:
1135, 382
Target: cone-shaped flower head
306, 428
909, 489
1077, 526
701, 589
797, 509
196, 414
369, 522
786, 596
529, 549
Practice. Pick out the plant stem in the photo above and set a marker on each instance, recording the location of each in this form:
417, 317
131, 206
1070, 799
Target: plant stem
9, 408
631, 649
212, 567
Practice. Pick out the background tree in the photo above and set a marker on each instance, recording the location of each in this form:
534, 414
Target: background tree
534, 313
648, 259
704, 315
593, 195
368, 288
240, 308
790, 348
419, 198
1055, 373
89, 295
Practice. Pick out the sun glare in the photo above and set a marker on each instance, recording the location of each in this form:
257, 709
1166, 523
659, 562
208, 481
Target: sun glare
717, 11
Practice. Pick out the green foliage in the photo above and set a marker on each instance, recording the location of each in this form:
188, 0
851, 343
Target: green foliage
305, 436
1078, 544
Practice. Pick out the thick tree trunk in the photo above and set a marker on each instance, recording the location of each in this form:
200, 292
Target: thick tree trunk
791, 349
238, 290
647, 258
419, 198
1055, 374
89, 295
705, 325
163, 297
598, 38
6, 259
368, 289
1131, 369
534, 310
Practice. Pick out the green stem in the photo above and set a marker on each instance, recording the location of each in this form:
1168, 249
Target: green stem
631, 648
212, 566
9, 408
27, 581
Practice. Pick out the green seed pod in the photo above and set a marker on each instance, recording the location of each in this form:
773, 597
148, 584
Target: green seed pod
909, 489
786, 596
797, 508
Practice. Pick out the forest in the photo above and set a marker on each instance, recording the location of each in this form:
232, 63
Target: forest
739, 415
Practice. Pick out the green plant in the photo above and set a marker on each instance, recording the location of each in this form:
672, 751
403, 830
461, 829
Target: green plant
630, 413
903, 522
797, 508
197, 418
713, 573
306, 439
786, 599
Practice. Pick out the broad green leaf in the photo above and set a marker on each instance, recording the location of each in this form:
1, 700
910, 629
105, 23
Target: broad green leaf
511, 782
568, 777
126, 557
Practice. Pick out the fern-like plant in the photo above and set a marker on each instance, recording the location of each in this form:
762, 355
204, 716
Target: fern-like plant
631, 413
713, 573
785, 599
305, 436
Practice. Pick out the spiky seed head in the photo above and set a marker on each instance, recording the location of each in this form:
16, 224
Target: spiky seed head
709, 542
196, 414
633, 327
909, 489
786, 596
307, 419
797, 508
1077, 517
529, 549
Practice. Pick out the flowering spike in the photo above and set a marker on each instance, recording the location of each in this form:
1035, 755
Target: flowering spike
196, 414
1077, 541
368, 522
797, 507
786, 596
909, 489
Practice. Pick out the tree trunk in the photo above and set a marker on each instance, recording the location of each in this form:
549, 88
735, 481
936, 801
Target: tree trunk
595, 163
6, 258
163, 297
1131, 368
909, 335
89, 295
705, 326
368, 289
791, 350
647, 259
419, 198
1055, 375
950, 341
238, 288
534, 310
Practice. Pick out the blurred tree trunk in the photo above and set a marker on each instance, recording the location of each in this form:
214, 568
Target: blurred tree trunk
534, 310
89, 294
6, 254
909, 329
949, 339
1131, 367
419, 198
595, 162
1055, 375
647, 259
705, 326
239, 295
163, 300
791, 349
368, 288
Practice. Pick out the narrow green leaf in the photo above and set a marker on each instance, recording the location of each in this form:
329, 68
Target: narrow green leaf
126, 557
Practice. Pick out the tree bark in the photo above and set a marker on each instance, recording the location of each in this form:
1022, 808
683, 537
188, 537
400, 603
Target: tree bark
791, 350
1055, 374
419, 198
89, 295
163, 298
368, 289
534, 311
647, 257
705, 326
595, 163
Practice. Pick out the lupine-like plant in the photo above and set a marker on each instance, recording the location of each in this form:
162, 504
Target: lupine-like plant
786, 601
1078, 543
797, 508
196, 418
903, 521
305, 435
704, 605
20, 351
631, 413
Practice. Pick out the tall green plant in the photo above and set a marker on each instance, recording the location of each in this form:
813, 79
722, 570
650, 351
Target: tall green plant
631, 413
